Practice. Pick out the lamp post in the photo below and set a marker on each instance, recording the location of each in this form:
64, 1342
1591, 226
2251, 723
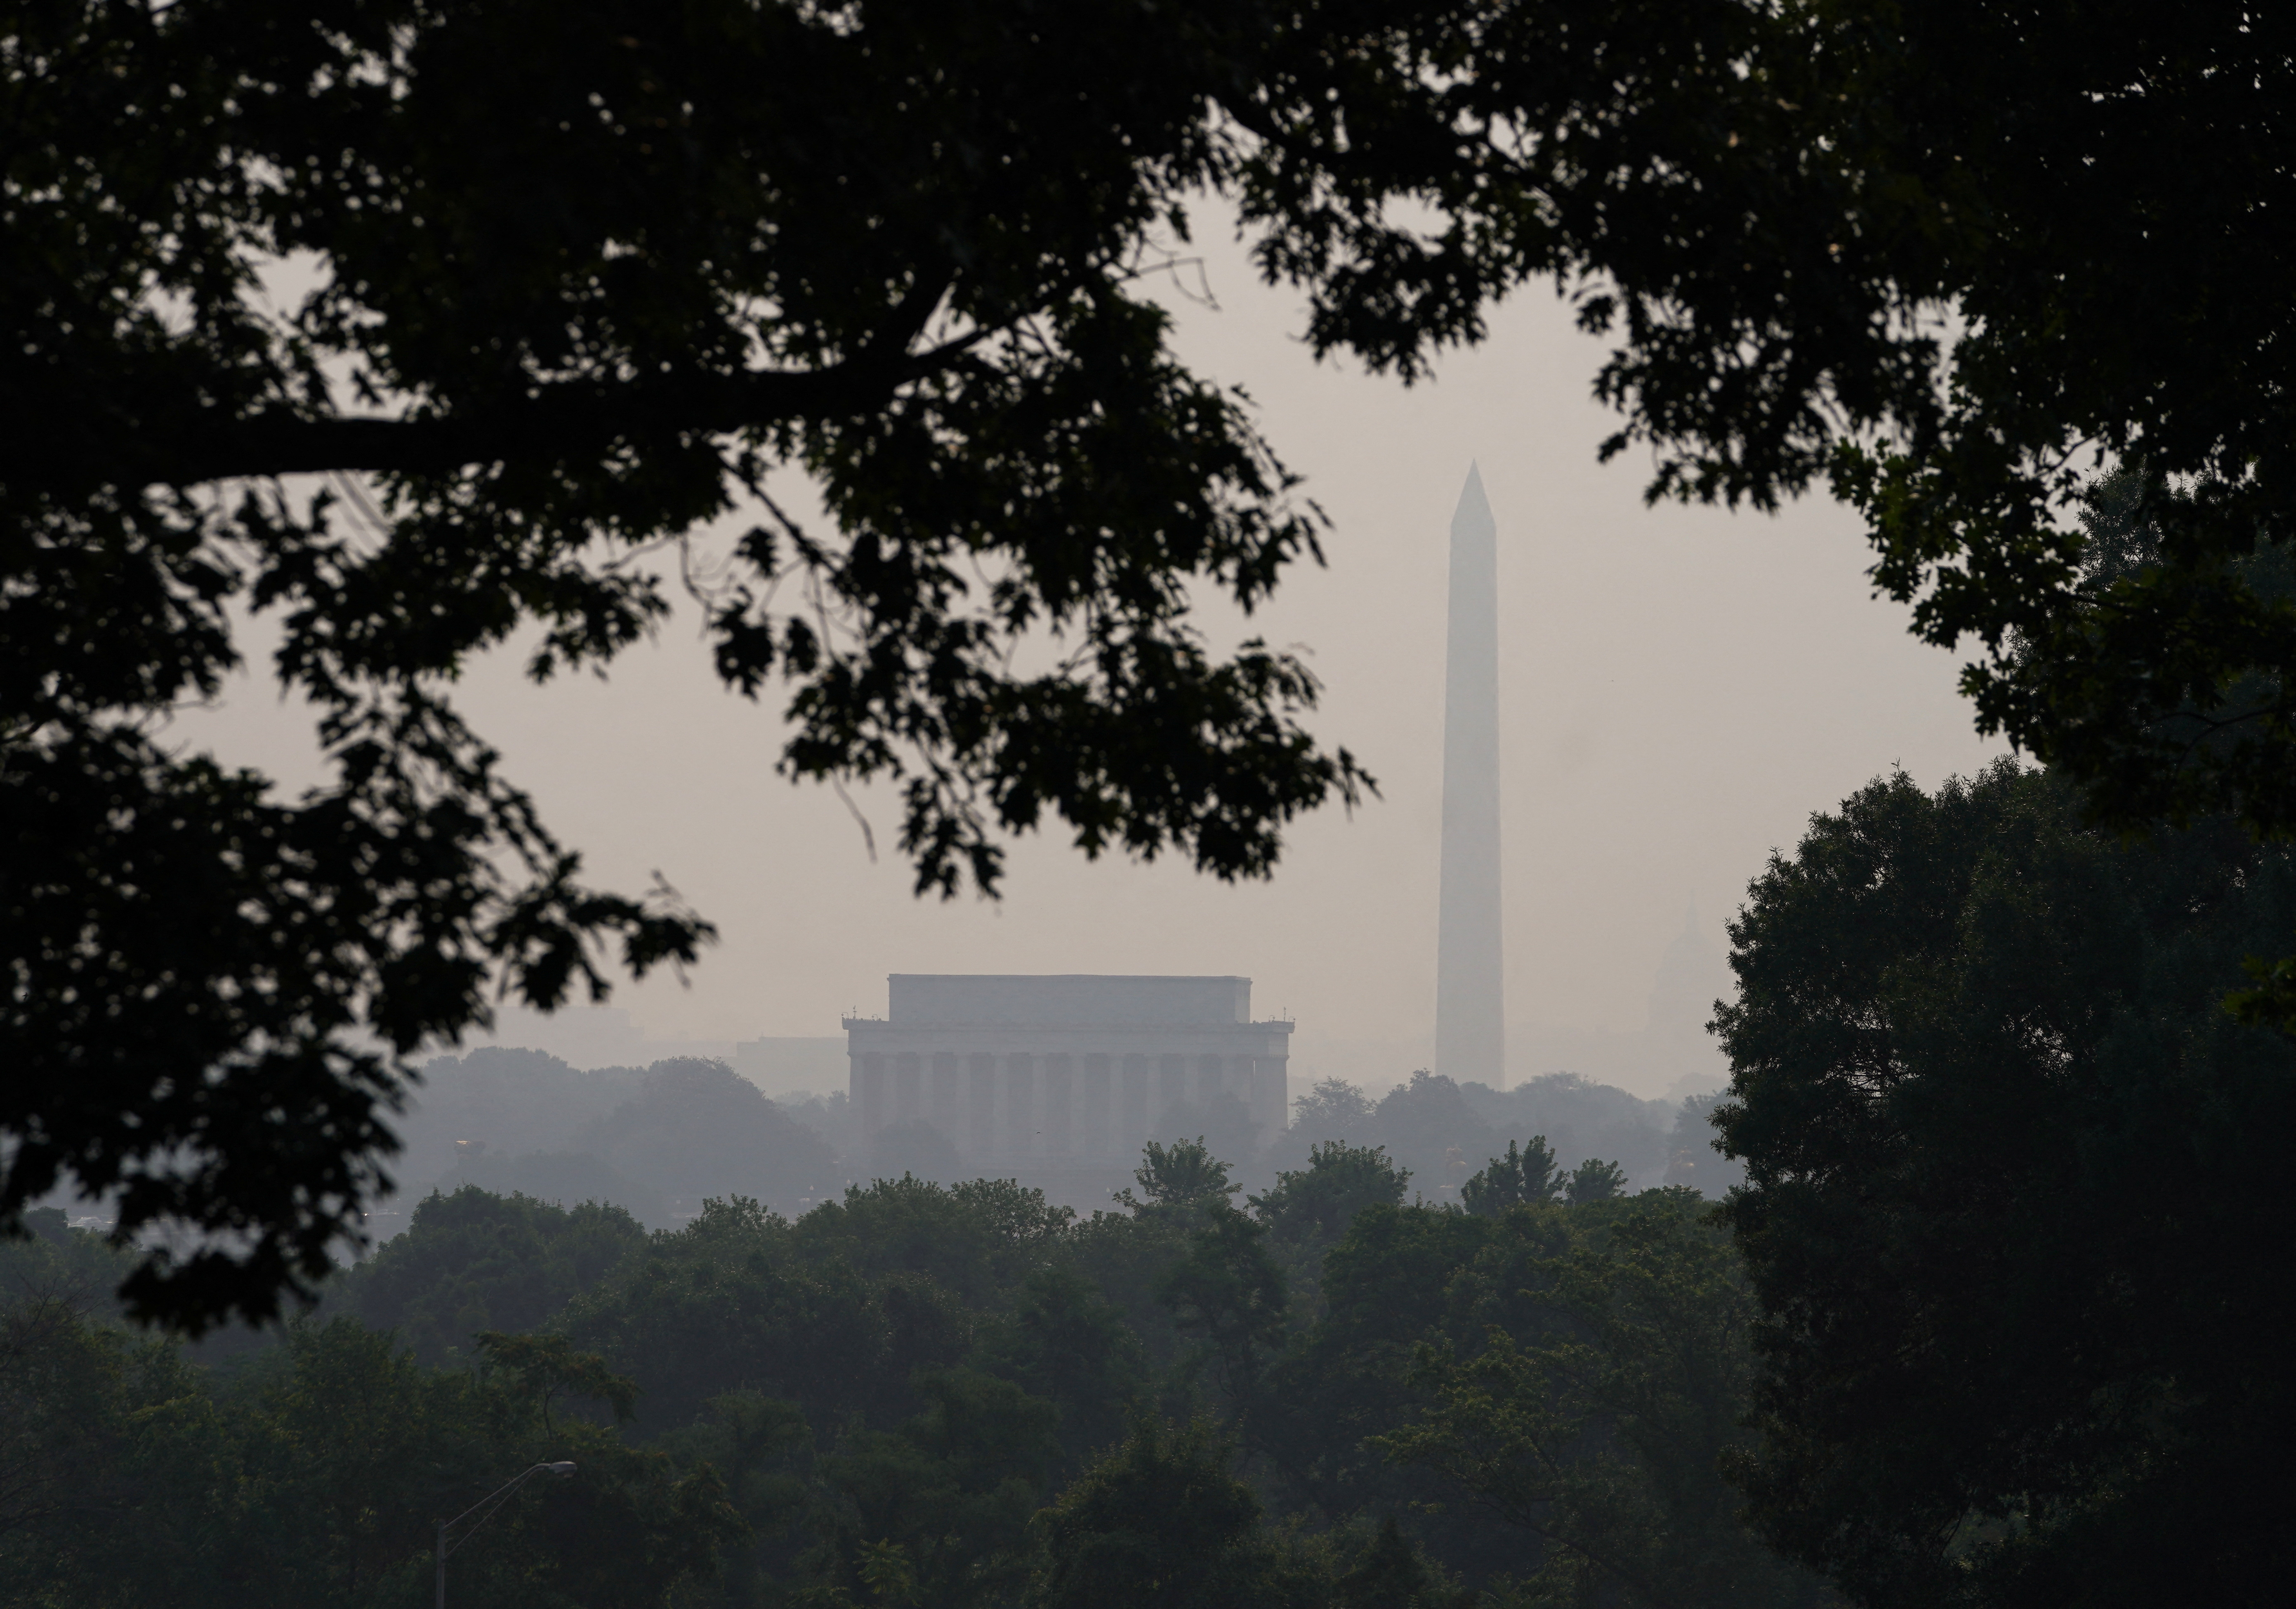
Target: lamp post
488, 1504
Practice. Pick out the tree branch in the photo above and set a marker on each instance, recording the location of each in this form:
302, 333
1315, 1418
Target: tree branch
574, 419
571, 419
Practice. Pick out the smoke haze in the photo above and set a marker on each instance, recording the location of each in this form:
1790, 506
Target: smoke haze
1679, 690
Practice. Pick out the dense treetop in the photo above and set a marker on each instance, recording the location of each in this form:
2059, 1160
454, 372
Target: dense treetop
2012, 1174
916, 1395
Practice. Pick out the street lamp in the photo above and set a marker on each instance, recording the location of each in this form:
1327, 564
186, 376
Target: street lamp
488, 1504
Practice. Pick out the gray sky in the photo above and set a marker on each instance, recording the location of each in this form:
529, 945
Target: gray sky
1679, 689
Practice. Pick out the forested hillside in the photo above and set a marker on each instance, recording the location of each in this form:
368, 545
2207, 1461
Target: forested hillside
1328, 1391
654, 1140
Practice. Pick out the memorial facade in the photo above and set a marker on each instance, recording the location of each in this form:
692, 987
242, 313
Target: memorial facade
1029, 1072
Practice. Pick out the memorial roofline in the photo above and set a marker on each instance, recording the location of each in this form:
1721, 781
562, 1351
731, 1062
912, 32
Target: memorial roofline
1169, 1027
1074, 977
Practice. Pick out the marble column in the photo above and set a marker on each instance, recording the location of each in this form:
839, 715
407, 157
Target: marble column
1020, 1106
1132, 1107
944, 1094
1059, 1106
980, 1137
1171, 1085
1271, 1096
1095, 1141
869, 1095
908, 1088
1212, 1081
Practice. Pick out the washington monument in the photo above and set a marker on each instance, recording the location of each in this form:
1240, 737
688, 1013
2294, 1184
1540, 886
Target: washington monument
1470, 1017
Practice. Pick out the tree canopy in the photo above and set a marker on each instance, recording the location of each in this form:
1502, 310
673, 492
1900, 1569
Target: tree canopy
414, 323
888, 250
917, 1394
2008, 1163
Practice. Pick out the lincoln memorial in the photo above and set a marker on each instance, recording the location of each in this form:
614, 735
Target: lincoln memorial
1023, 1073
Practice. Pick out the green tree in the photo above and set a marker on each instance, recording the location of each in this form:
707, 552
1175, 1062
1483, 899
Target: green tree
315, 1476
952, 1490
977, 1238
2003, 1149
868, 1406
1180, 1182
1065, 1343
724, 1305
1602, 1433
1230, 1296
1527, 1175
1124, 1256
1307, 1211
1391, 1573
762, 1450
1160, 1519
1333, 1109
546, 1367
1593, 1180
1397, 1277
347, 1447
115, 1474
473, 1261
66, 1390
1314, 1206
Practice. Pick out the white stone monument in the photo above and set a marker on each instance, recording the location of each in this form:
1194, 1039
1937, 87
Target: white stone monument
1029, 1072
1470, 1009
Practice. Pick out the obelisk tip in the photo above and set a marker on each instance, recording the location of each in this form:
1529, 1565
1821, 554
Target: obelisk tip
1474, 510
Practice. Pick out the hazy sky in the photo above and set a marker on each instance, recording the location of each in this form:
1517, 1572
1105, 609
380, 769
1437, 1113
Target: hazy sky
1679, 689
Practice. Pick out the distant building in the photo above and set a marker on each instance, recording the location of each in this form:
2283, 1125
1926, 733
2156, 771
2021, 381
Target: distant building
1031, 1073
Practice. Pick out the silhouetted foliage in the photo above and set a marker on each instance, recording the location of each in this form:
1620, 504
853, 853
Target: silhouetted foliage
1159, 1521
2004, 1151
315, 1480
606, 335
544, 361
1600, 1420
